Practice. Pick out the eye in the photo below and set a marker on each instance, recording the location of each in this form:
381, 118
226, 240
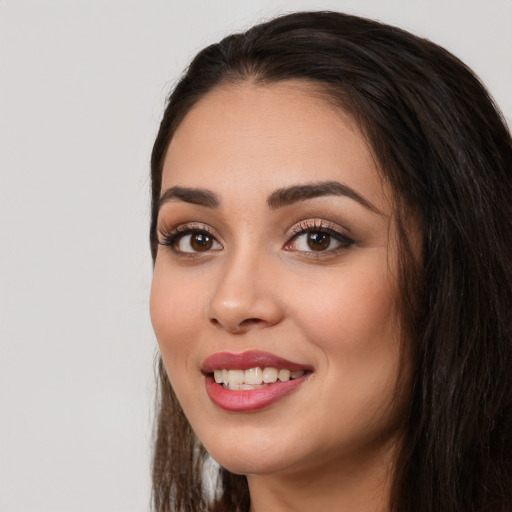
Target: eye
196, 242
317, 238
314, 241
190, 240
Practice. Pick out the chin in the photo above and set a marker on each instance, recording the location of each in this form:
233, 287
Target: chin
255, 456
241, 465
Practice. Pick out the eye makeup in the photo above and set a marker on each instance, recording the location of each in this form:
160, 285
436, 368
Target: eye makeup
189, 239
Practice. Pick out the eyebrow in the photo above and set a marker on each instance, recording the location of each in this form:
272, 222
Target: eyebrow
290, 195
199, 196
280, 198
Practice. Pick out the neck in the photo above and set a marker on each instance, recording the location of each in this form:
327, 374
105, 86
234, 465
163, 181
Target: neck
359, 485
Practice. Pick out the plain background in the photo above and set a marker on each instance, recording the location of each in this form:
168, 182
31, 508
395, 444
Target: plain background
82, 89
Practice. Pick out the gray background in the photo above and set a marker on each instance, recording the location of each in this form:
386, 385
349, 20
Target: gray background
82, 88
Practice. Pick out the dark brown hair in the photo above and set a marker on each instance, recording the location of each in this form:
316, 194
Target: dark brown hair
443, 146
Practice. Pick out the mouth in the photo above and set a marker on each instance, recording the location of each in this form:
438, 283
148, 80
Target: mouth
251, 381
254, 378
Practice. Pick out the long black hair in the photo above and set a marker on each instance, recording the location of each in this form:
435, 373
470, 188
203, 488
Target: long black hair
444, 147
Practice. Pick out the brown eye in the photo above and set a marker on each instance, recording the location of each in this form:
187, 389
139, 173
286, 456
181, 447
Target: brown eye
197, 241
201, 242
318, 241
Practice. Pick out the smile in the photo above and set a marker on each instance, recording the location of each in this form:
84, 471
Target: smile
251, 381
254, 378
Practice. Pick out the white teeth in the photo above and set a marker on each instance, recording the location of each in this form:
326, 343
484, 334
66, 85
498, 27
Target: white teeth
254, 377
249, 386
284, 375
236, 377
269, 375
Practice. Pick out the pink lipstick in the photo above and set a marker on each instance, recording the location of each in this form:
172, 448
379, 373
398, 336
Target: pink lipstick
250, 381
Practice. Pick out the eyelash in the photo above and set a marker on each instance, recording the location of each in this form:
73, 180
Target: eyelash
319, 226
171, 238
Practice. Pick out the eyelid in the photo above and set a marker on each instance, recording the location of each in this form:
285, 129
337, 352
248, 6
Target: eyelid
321, 226
169, 236
168, 230
308, 225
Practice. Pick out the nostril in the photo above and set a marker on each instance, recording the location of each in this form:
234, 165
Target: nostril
250, 321
242, 326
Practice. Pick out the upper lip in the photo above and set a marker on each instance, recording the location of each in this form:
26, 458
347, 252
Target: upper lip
247, 360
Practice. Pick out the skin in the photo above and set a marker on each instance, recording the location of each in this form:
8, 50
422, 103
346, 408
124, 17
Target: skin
330, 444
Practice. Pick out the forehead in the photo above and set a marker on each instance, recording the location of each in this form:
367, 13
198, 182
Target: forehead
270, 136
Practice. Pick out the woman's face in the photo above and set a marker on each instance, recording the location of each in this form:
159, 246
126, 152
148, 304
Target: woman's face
276, 276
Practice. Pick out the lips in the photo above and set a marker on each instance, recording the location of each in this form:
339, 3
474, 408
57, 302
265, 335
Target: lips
251, 396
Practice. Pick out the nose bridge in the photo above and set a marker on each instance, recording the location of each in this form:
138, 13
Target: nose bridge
243, 297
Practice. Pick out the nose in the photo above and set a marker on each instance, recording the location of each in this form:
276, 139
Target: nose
245, 296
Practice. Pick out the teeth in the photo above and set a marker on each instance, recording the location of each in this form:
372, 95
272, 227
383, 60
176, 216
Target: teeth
236, 377
249, 386
254, 377
284, 375
269, 375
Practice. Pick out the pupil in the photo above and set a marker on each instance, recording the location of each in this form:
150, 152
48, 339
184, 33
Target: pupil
201, 242
318, 241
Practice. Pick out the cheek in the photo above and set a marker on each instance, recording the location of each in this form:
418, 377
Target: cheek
353, 310
174, 313
174, 310
355, 328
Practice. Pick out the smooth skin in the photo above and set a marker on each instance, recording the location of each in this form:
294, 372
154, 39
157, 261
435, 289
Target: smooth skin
309, 279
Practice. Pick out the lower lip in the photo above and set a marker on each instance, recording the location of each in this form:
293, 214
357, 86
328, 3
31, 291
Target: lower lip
252, 399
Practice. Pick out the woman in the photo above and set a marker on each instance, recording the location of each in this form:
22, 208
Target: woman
331, 230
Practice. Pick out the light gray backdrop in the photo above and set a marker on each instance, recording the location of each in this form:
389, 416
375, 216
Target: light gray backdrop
82, 88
